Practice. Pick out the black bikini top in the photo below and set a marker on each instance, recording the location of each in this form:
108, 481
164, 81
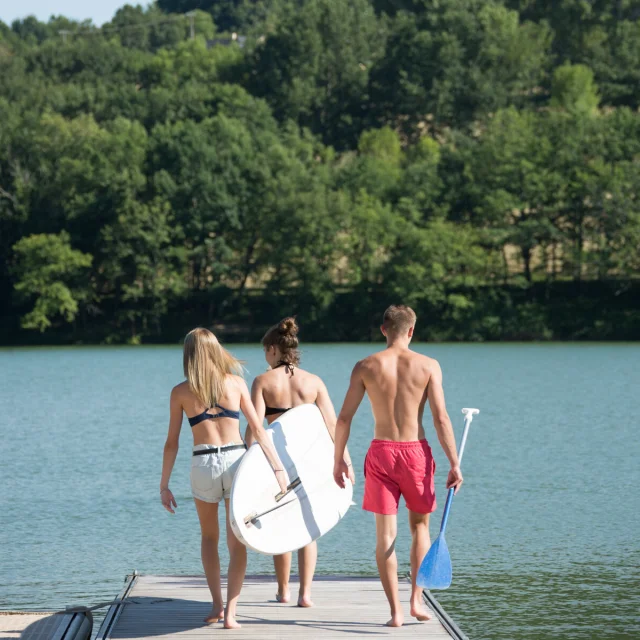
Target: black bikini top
224, 413
271, 411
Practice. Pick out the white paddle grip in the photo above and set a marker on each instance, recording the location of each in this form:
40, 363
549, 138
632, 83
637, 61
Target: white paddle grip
468, 417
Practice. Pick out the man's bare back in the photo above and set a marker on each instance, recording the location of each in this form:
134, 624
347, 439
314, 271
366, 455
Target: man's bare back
399, 382
396, 381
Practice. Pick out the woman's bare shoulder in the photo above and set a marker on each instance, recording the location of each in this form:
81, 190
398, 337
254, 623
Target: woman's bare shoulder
262, 378
237, 381
181, 388
311, 378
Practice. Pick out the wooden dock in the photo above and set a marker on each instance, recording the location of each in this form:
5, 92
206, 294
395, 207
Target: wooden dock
345, 607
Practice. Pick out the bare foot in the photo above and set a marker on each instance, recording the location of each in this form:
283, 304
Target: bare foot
304, 601
420, 613
231, 623
217, 614
397, 620
283, 597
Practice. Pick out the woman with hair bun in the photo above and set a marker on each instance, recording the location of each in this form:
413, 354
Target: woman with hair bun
281, 388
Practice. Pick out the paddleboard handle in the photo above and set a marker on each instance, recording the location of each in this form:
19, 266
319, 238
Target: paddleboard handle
468, 418
254, 515
292, 485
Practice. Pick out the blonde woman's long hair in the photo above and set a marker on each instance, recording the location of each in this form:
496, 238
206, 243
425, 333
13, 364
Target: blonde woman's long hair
206, 366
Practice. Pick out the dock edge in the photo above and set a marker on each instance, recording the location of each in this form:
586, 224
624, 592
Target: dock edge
115, 610
443, 616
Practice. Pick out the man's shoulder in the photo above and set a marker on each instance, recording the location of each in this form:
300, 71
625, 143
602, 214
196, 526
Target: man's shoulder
427, 362
369, 362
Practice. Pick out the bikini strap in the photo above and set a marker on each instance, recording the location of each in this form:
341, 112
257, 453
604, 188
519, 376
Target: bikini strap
288, 367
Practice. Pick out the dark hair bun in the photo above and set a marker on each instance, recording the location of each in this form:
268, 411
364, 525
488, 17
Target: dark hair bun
288, 327
284, 335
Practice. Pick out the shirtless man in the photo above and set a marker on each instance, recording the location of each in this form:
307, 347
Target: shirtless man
399, 461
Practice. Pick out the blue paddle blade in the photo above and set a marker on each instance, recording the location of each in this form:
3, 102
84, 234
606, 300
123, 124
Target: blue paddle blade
435, 570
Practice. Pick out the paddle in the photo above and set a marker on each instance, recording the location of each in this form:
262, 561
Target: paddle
435, 570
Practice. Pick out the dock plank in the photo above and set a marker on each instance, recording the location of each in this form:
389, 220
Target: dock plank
346, 607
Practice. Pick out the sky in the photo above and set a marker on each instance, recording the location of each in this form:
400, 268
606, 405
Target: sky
100, 11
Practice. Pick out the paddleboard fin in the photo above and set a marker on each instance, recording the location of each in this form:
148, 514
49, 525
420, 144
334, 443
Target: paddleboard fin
251, 517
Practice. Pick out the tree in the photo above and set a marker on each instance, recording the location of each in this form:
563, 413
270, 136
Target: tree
511, 185
573, 89
149, 28
377, 168
143, 267
428, 263
448, 63
47, 271
315, 67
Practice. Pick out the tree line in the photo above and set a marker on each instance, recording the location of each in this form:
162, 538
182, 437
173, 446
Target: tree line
476, 159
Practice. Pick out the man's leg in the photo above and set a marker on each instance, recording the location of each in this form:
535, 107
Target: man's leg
420, 543
386, 531
282, 565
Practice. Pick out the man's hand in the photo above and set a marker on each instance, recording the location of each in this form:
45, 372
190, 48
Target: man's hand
352, 475
454, 479
340, 469
167, 499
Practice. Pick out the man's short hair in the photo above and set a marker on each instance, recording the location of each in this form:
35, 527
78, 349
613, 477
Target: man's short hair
398, 318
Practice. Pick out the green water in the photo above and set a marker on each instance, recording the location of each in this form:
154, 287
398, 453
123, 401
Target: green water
543, 536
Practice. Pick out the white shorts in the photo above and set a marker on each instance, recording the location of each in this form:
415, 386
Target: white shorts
212, 473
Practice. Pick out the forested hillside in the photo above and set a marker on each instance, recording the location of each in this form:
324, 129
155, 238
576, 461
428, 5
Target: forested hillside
224, 163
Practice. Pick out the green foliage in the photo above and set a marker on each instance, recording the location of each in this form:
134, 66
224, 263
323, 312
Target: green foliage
573, 89
476, 159
450, 62
315, 67
46, 270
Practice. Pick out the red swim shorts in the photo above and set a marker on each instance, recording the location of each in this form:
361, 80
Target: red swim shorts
392, 469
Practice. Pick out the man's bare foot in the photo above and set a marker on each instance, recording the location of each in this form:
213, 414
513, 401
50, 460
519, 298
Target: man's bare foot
397, 620
284, 597
304, 601
420, 613
217, 614
231, 623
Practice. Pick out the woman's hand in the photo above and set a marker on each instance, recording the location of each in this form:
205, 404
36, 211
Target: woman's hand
351, 475
167, 499
282, 480
340, 469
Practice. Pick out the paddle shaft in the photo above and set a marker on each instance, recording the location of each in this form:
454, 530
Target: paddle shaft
450, 494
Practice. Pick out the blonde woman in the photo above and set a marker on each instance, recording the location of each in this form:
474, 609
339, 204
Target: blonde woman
212, 397
283, 387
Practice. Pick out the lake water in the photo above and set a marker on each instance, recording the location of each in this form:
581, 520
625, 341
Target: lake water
543, 537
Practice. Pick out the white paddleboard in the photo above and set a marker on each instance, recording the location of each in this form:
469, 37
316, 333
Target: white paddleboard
271, 524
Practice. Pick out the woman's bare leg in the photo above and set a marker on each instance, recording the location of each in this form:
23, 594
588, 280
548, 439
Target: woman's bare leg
307, 558
208, 516
282, 565
235, 578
